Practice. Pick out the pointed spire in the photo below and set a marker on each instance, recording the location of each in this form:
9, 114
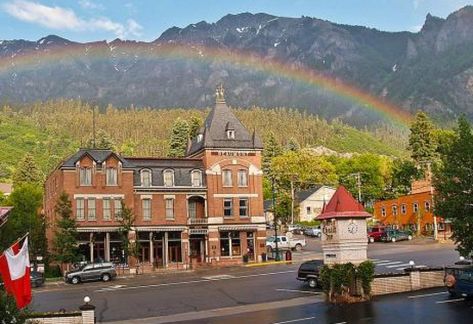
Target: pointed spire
220, 94
343, 205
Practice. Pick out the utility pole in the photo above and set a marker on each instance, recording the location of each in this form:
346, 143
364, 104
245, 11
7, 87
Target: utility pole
292, 201
358, 183
275, 220
93, 127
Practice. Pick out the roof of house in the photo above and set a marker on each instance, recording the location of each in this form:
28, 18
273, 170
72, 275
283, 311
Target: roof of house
98, 155
165, 162
214, 132
304, 194
4, 211
343, 205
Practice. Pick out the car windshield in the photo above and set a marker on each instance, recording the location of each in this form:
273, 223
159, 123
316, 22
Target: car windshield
270, 239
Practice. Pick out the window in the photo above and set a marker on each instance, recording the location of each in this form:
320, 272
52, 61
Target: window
111, 175
415, 207
230, 243
227, 178
146, 178
308, 209
427, 206
91, 209
192, 209
85, 175
200, 137
196, 179
230, 134
403, 209
80, 209
243, 207
146, 207
174, 247
228, 207
168, 178
383, 211
242, 178
394, 210
107, 211
117, 206
169, 208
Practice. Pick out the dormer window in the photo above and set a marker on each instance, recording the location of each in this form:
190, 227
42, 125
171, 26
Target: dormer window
111, 176
196, 178
200, 137
146, 178
168, 178
230, 134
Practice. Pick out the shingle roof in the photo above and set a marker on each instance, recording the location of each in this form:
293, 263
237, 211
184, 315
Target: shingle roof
149, 162
303, 195
343, 205
98, 155
219, 120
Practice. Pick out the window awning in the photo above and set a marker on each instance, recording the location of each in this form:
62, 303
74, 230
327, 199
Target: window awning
238, 228
161, 228
97, 229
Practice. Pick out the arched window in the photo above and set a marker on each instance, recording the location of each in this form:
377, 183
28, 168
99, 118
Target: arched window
168, 176
196, 176
394, 210
415, 207
146, 178
427, 206
383, 211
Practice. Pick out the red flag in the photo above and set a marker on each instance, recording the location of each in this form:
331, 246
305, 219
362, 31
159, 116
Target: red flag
15, 271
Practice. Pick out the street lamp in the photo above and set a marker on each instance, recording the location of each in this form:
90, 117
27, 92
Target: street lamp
275, 220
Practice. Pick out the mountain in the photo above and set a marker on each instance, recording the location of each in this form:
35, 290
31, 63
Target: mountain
430, 70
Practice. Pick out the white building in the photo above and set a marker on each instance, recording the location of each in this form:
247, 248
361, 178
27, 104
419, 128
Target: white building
312, 201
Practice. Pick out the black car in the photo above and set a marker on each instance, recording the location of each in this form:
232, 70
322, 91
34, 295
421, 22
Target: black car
309, 272
36, 278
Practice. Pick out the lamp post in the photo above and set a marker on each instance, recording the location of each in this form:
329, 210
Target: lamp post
275, 219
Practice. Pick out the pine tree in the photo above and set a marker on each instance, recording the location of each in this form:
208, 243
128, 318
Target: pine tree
422, 142
102, 141
271, 150
179, 138
65, 240
27, 172
293, 145
127, 223
453, 186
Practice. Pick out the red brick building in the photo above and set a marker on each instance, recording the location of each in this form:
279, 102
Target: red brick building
206, 208
412, 210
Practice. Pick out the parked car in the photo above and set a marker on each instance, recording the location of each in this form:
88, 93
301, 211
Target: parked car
285, 243
309, 272
313, 231
395, 235
375, 233
36, 278
89, 272
294, 228
459, 280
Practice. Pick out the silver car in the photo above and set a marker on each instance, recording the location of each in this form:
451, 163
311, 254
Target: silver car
95, 271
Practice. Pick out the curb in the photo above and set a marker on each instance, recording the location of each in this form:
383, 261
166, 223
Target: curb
267, 263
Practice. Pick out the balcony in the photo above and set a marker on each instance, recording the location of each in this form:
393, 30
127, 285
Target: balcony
197, 221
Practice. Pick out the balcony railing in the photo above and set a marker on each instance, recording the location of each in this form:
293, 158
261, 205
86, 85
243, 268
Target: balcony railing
197, 221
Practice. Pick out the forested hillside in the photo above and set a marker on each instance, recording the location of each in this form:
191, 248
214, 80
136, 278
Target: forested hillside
52, 130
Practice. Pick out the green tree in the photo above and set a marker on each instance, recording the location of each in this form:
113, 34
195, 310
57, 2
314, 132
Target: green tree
422, 142
127, 224
179, 138
453, 186
271, 149
26, 201
293, 145
65, 240
27, 171
403, 173
102, 141
194, 125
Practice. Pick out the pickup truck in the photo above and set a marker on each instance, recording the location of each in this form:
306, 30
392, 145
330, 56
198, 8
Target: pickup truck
285, 243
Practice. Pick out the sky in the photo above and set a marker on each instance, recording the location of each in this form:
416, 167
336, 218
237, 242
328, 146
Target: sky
146, 20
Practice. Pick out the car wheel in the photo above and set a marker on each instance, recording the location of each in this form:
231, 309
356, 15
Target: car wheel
409, 237
312, 283
105, 277
319, 235
393, 240
298, 247
371, 239
75, 280
269, 249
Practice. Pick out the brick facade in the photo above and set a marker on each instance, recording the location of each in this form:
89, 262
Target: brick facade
185, 214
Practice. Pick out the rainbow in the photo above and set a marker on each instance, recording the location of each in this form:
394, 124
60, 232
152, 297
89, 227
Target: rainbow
247, 60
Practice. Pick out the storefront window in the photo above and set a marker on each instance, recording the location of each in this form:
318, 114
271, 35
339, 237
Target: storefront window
230, 244
224, 244
174, 247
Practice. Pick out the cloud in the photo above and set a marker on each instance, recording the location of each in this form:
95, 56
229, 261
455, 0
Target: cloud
63, 18
87, 4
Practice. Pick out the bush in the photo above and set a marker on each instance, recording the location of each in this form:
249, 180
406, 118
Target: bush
8, 311
52, 271
339, 281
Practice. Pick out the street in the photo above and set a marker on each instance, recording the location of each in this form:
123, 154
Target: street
234, 292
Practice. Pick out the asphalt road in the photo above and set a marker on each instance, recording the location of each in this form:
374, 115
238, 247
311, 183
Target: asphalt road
262, 290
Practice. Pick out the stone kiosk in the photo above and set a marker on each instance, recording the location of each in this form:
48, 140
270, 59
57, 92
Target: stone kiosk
344, 237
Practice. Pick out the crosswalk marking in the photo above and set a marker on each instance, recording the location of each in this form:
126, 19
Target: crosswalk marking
397, 265
390, 263
381, 261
